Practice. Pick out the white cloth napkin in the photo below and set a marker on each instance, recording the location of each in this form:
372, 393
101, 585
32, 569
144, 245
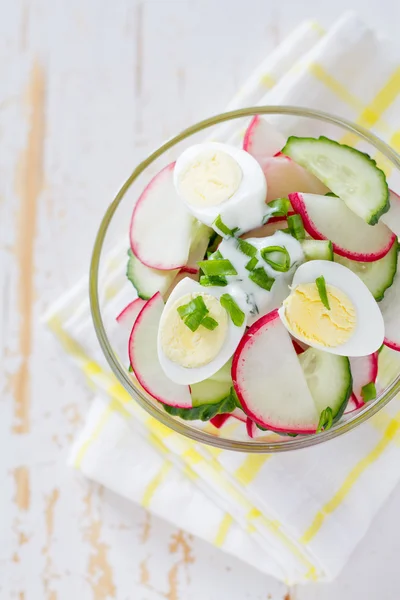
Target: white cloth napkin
296, 516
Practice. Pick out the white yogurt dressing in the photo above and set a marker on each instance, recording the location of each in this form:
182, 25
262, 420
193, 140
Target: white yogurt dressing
259, 300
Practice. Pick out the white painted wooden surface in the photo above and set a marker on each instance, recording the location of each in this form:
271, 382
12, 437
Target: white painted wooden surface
87, 87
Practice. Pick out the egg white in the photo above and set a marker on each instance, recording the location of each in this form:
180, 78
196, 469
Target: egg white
246, 207
184, 375
369, 331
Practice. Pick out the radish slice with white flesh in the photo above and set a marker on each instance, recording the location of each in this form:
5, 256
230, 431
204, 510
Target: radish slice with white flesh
391, 314
273, 225
352, 405
251, 428
161, 225
392, 217
269, 380
364, 370
328, 218
126, 320
129, 314
285, 176
239, 415
262, 140
144, 358
219, 420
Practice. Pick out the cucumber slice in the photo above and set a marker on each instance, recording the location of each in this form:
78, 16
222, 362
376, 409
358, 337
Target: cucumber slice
224, 374
145, 280
209, 392
317, 249
349, 173
205, 411
377, 275
329, 380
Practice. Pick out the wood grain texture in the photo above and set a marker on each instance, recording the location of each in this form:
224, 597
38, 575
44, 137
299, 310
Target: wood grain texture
87, 88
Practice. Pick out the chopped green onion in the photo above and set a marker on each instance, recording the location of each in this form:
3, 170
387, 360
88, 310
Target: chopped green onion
195, 305
281, 256
277, 208
130, 369
325, 420
213, 243
193, 321
209, 323
236, 314
368, 392
321, 287
331, 194
261, 278
194, 314
217, 267
215, 255
224, 229
252, 263
296, 227
209, 281
247, 248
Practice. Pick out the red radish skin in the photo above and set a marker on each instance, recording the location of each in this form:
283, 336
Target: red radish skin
251, 428
299, 349
129, 314
237, 363
143, 357
281, 155
352, 405
219, 420
190, 270
262, 140
169, 220
299, 207
364, 370
392, 345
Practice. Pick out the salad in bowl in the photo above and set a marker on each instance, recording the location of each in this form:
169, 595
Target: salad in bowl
265, 276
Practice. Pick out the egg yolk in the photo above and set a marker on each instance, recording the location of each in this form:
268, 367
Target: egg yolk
311, 320
188, 348
211, 179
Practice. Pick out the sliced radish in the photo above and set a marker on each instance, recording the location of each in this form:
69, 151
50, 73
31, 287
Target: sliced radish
392, 217
144, 358
269, 380
189, 270
128, 315
126, 320
269, 228
239, 415
352, 405
251, 428
298, 347
285, 176
364, 370
262, 140
219, 420
391, 314
329, 218
161, 225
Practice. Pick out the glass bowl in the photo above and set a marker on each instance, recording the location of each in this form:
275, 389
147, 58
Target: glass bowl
108, 265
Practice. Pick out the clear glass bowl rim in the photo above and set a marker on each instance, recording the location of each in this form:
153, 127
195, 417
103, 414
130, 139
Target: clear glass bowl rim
118, 368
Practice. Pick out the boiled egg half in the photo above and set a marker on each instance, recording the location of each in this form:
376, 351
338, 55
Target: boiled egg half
353, 323
218, 180
188, 356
